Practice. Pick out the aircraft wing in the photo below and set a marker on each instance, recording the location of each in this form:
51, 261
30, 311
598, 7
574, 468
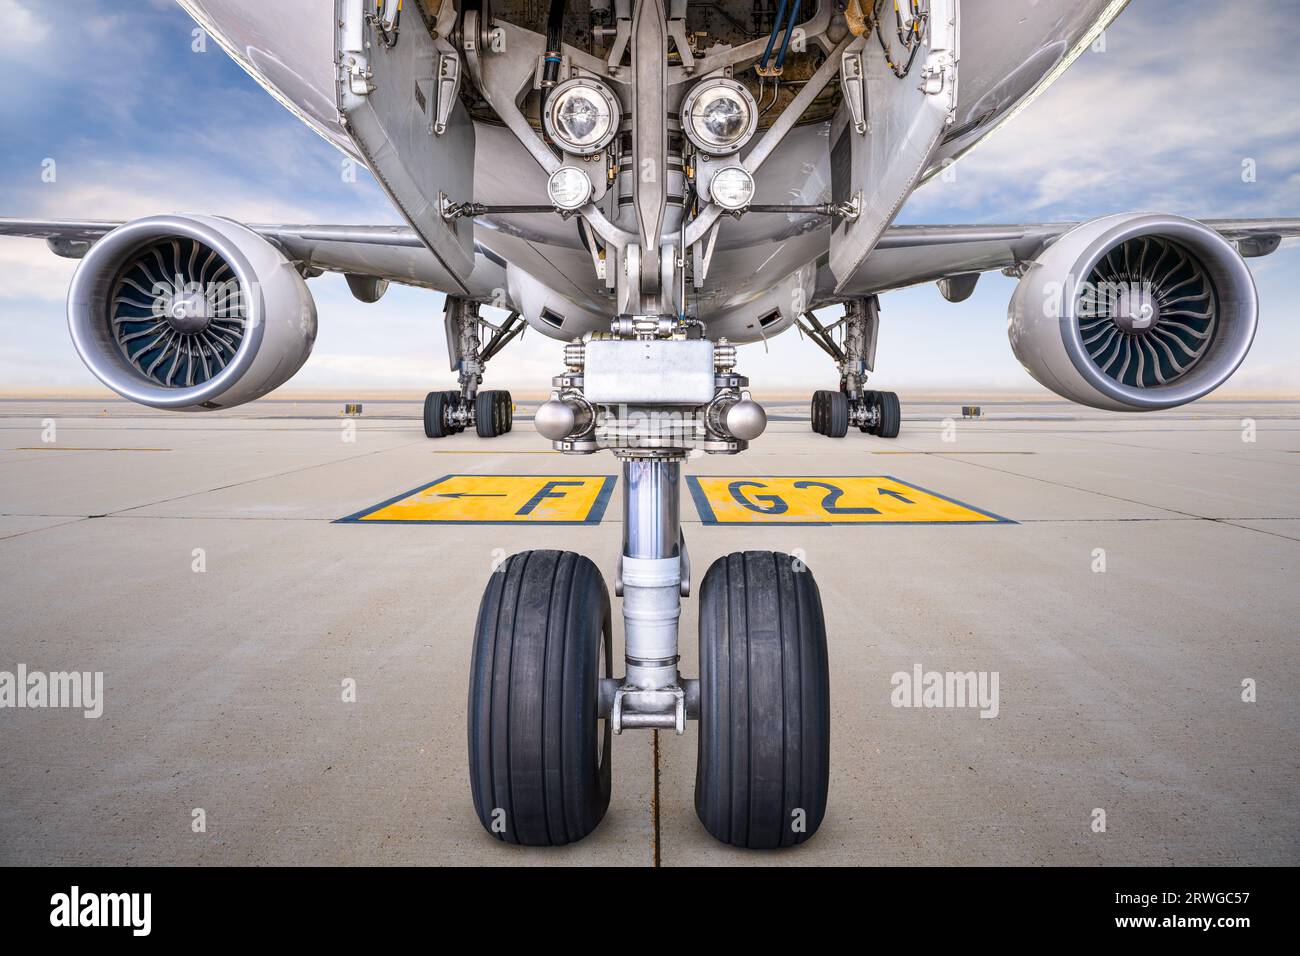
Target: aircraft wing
394, 253
297, 241
956, 255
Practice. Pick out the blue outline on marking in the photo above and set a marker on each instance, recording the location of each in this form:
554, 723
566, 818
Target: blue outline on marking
707, 516
594, 515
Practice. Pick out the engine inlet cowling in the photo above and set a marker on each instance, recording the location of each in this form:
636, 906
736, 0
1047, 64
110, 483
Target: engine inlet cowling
1134, 312
190, 313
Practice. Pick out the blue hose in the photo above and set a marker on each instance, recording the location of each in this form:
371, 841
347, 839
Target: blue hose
771, 40
789, 28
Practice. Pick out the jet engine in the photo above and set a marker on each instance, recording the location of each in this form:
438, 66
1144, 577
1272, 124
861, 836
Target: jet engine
1134, 312
190, 313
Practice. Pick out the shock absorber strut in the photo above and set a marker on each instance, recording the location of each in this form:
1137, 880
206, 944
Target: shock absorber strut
651, 390
650, 581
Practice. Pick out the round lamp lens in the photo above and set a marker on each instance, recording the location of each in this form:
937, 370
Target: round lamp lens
720, 117
569, 188
732, 188
581, 115
582, 119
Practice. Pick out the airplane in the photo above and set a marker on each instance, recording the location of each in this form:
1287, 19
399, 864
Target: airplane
652, 183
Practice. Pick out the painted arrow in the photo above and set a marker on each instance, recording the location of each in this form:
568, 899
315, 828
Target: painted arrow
468, 494
895, 494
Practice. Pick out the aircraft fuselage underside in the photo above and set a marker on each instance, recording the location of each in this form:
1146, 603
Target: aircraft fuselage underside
447, 109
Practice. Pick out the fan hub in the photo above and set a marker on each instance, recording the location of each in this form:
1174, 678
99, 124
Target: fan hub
188, 312
1135, 308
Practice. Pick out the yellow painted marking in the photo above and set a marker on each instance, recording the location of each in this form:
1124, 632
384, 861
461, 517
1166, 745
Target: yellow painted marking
499, 499
816, 499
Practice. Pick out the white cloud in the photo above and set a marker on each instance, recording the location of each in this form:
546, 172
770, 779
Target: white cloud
125, 191
20, 20
28, 270
1161, 120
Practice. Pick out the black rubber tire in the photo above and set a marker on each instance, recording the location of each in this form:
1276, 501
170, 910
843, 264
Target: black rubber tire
435, 426
891, 415
764, 744
837, 415
487, 414
507, 411
533, 700
820, 408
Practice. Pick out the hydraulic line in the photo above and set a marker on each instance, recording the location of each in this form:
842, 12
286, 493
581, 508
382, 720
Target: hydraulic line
771, 40
553, 57
387, 26
789, 29
554, 39
911, 39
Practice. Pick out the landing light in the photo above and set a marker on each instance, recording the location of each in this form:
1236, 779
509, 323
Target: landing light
569, 188
582, 115
732, 188
719, 116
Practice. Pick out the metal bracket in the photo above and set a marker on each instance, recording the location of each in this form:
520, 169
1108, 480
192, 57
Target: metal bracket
702, 253
852, 86
622, 36
358, 74
937, 73
654, 709
677, 33
538, 74
449, 75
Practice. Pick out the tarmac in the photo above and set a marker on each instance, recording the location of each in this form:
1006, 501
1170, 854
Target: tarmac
1138, 606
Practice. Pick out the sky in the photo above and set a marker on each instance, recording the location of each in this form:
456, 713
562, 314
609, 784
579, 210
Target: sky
1184, 95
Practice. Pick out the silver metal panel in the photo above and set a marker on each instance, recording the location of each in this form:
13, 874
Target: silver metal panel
905, 120
390, 112
649, 371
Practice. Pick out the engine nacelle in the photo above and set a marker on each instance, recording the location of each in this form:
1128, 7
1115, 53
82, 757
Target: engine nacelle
190, 313
1134, 312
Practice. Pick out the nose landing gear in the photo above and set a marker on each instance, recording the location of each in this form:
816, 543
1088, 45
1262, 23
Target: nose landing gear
542, 711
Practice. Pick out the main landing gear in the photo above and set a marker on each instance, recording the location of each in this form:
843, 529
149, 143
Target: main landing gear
834, 413
544, 703
491, 412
